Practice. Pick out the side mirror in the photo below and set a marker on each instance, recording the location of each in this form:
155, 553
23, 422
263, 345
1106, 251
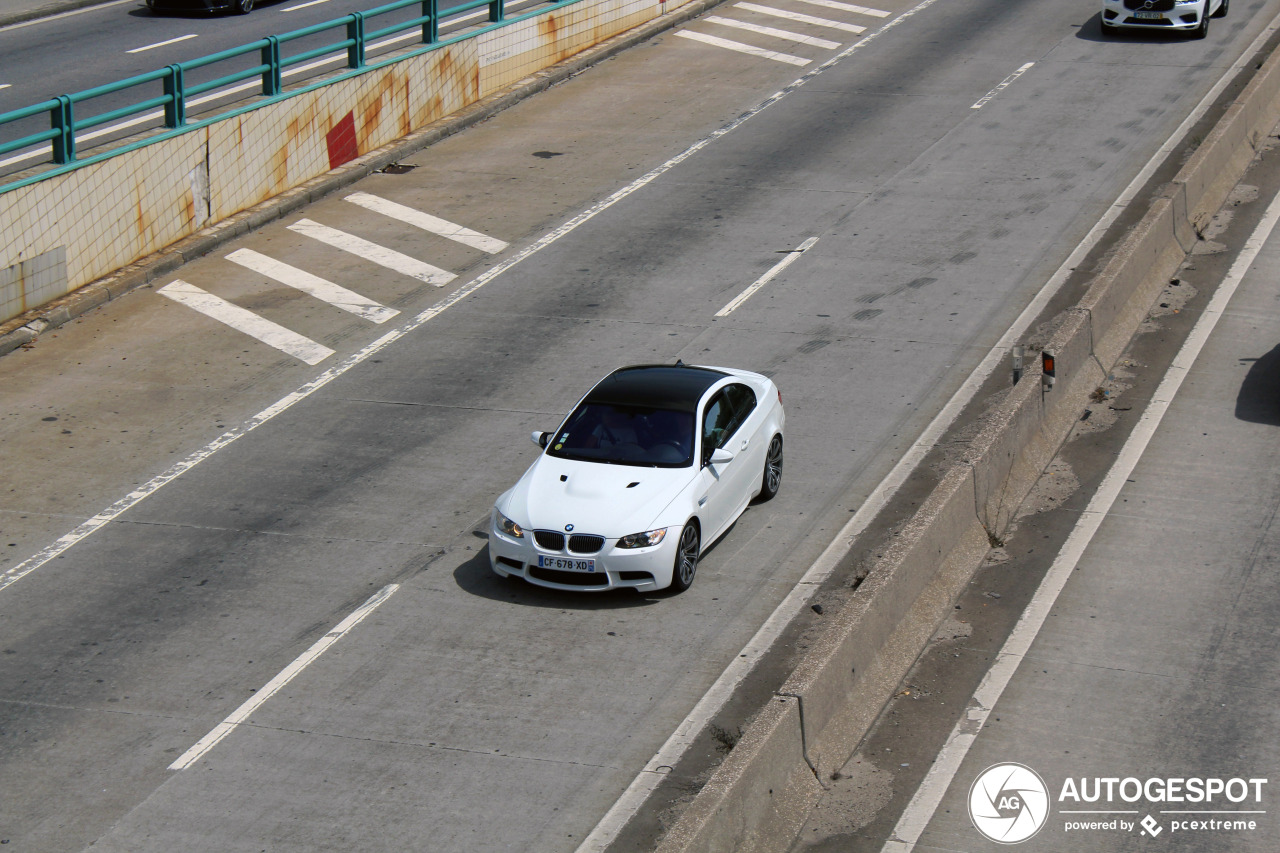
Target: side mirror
540, 438
720, 456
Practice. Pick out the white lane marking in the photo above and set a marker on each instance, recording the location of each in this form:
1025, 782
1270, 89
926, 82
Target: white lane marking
5, 85
739, 47
634, 797
812, 41
920, 810
290, 672
848, 7
320, 288
427, 222
162, 43
803, 19
381, 255
781, 265
303, 6
243, 320
1003, 85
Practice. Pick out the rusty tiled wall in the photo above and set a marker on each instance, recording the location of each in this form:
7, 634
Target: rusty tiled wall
107, 215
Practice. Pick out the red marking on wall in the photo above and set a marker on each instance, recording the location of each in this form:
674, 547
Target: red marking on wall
341, 141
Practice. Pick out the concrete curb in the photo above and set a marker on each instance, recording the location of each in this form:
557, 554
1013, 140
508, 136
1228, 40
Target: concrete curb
25, 328
852, 669
48, 10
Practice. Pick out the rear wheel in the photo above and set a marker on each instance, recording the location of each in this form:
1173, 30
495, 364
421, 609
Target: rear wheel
1222, 10
772, 478
243, 7
686, 557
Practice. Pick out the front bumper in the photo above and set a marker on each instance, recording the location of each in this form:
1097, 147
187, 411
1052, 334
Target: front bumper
1114, 14
616, 568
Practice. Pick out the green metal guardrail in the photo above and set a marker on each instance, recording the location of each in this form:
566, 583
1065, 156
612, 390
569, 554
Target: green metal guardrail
64, 126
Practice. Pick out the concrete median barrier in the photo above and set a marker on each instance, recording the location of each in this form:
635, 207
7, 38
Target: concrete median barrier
853, 668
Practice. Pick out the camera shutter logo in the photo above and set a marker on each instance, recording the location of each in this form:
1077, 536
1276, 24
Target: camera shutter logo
1008, 803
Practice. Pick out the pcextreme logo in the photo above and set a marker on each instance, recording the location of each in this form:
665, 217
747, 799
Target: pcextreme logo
1008, 803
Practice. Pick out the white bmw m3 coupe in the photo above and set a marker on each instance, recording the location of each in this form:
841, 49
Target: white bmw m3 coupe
652, 466
1187, 16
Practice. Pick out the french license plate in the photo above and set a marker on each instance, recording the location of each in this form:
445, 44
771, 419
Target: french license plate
1148, 15
565, 564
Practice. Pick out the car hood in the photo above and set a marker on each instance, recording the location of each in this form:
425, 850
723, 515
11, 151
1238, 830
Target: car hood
605, 500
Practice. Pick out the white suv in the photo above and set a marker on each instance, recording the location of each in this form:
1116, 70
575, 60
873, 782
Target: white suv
1188, 16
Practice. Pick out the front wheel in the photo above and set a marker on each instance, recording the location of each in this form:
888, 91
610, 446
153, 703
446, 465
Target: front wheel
772, 478
243, 7
1202, 30
686, 557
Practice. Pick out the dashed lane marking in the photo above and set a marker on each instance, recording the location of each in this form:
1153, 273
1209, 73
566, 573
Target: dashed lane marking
427, 222
803, 19
241, 714
786, 35
244, 320
162, 43
313, 285
739, 47
381, 255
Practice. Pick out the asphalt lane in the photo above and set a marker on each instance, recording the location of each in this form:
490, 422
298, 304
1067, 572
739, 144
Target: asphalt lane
469, 712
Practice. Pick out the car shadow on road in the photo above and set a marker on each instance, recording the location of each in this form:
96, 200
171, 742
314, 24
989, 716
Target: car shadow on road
1259, 398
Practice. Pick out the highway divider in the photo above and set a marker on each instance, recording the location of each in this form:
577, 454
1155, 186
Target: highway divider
759, 798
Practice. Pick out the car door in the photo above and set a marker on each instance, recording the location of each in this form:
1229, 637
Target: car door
726, 486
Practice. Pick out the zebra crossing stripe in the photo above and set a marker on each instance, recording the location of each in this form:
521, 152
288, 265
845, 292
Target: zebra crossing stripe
848, 7
812, 41
243, 320
381, 255
804, 19
427, 222
313, 285
744, 48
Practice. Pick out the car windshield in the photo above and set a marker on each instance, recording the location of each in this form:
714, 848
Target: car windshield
626, 435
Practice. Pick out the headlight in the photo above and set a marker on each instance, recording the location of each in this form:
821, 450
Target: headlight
642, 540
507, 526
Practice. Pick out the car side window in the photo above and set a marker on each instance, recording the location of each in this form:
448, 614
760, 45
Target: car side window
715, 425
743, 400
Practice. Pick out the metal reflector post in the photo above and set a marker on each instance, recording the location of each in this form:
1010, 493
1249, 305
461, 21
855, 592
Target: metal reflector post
355, 34
1046, 363
62, 120
497, 11
1018, 353
175, 107
271, 76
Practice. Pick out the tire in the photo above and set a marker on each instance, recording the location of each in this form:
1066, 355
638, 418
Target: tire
687, 553
1222, 10
772, 478
243, 7
1202, 30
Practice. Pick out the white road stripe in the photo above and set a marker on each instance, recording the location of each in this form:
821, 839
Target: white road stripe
920, 810
781, 265
427, 222
320, 288
246, 321
381, 255
303, 6
812, 41
803, 19
162, 43
1014, 76
286, 675
847, 7
744, 48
